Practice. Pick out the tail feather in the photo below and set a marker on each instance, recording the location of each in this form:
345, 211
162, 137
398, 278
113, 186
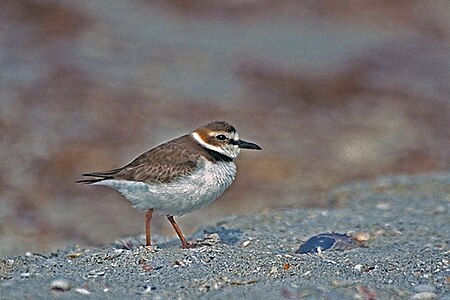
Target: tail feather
102, 176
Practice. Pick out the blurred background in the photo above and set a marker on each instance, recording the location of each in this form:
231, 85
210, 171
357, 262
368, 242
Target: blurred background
333, 91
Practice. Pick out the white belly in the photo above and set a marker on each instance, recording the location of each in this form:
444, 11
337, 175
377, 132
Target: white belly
179, 196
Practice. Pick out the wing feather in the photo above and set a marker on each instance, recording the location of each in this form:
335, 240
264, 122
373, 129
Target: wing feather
161, 164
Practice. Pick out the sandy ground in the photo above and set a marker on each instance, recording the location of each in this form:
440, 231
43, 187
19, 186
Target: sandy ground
406, 256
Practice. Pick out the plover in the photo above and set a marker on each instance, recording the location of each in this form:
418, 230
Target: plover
179, 176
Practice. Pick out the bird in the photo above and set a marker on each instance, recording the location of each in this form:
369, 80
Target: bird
179, 176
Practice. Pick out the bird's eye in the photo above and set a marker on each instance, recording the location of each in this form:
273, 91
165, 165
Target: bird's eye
221, 137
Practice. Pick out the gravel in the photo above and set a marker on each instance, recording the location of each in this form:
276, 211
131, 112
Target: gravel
404, 222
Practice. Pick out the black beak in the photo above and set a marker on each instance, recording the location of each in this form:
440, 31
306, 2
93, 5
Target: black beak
247, 145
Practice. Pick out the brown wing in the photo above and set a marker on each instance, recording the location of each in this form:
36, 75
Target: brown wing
161, 164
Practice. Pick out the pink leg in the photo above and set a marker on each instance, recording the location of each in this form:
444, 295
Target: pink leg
148, 218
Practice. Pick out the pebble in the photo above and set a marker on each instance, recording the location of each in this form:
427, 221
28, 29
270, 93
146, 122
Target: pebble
273, 271
210, 239
74, 254
328, 241
425, 296
149, 289
60, 285
82, 291
361, 236
245, 244
95, 273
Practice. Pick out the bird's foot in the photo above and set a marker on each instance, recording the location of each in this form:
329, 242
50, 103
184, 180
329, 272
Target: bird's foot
188, 245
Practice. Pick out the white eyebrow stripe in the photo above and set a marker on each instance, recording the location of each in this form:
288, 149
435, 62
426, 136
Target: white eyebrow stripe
199, 140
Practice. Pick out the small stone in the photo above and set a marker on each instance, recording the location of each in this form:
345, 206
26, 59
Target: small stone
210, 239
358, 267
95, 273
439, 209
361, 236
328, 241
74, 254
179, 263
273, 271
425, 296
61, 285
82, 291
245, 244
149, 289
147, 267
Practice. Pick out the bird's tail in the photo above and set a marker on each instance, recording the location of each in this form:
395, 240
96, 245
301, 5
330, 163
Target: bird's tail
100, 176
